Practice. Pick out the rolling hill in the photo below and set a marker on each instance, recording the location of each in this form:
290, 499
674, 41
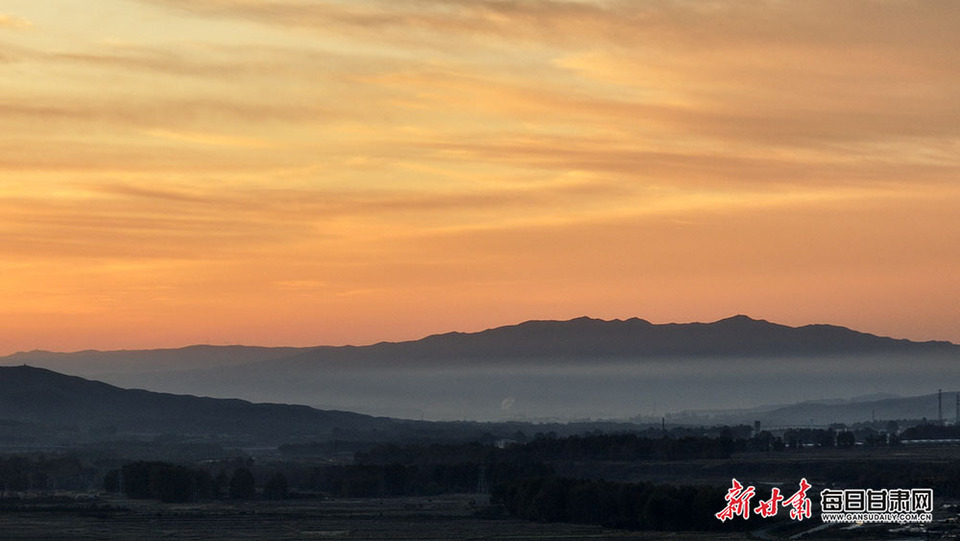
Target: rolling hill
42, 397
92, 362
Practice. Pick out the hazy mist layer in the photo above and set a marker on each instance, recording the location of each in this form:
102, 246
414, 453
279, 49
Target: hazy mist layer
612, 388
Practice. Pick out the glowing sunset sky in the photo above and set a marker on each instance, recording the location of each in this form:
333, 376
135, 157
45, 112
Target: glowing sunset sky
301, 172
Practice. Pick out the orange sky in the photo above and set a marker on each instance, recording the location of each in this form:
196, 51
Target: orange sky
289, 172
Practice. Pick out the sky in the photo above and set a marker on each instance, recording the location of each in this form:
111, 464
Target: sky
304, 172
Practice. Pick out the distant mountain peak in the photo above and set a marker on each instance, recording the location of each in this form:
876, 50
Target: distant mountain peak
744, 320
741, 318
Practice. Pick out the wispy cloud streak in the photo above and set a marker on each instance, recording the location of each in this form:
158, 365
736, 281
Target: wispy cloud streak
420, 151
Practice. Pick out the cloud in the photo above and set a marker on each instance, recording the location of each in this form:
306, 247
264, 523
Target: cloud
228, 62
9, 21
484, 16
786, 72
696, 27
132, 220
210, 139
752, 91
167, 111
561, 151
163, 194
300, 286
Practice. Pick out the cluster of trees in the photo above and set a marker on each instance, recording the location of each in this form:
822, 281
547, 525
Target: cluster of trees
943, 478
931, 432
685, 444
395, 479
518, 469
626, 447
323, 448
585, 447
618, 505
679, 443
20, 474
437, 453
177, 483
160, 481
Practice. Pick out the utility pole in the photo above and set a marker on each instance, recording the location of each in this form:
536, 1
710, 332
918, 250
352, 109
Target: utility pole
940, 406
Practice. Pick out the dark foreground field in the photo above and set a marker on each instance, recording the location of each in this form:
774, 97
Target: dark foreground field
448, 517
42, 513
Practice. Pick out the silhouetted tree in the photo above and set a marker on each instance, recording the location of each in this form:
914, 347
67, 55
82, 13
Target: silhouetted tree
276, 488
221, 484
242, 484
826, 438
846, 440
159, 481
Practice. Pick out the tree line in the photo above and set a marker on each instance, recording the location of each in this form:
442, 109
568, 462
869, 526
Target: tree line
20, 473
637, 506
174, 483
626, 446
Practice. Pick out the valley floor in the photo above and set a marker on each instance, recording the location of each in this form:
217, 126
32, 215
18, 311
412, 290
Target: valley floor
440, 518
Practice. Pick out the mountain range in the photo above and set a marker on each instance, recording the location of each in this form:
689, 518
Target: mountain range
40, 409
44, 410
572, 369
